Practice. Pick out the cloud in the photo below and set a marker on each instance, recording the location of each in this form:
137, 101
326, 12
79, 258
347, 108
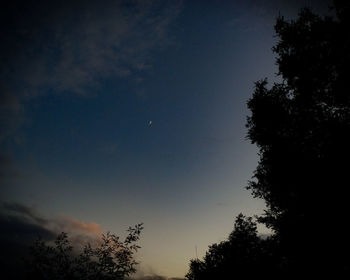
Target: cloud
152, 277
147, 273
79, 232
22, 225
19, 216
59, 47
157, 277
91, 227
23, 212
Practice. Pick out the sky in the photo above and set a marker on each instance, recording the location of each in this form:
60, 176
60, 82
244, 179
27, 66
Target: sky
114, 113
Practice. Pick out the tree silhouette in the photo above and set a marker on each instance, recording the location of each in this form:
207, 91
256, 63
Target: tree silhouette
113, 259
302, 129
244, 253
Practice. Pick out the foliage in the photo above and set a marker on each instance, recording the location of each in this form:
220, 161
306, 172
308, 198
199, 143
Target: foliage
111, 259
302, 128
235, 256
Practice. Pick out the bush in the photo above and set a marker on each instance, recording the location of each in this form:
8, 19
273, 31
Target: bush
111, 259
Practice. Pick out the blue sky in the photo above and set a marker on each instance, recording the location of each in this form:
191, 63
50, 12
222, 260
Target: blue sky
80, 83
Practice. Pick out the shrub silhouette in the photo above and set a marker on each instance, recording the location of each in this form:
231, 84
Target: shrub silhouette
112, 259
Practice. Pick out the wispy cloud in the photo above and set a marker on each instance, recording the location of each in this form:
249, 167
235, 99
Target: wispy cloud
54, 47
22, 225
16, 219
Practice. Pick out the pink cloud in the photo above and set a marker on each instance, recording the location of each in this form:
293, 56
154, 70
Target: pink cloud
91, 227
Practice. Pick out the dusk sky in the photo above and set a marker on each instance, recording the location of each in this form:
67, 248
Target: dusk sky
120, 112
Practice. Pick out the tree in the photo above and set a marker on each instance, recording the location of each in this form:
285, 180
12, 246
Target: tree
113, 259
244, 253
302, 129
